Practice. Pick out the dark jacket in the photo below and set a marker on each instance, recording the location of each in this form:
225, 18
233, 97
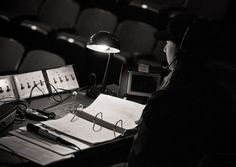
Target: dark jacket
183, 121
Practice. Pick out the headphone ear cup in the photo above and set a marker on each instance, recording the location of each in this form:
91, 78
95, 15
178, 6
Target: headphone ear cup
180, 53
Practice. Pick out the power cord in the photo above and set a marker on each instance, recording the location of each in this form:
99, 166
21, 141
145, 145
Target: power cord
95, 89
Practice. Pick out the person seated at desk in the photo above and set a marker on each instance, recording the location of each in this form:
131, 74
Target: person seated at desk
190, 116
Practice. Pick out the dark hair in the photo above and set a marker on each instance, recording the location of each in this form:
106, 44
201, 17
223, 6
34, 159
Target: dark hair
192, 35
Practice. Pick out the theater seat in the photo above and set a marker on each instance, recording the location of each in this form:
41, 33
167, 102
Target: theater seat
40, 59
53, 15
92, 20
11, 55
135, 37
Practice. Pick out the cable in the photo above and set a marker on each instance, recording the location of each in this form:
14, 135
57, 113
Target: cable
59, 102
31, 91
73, 93
35, 86
53, 94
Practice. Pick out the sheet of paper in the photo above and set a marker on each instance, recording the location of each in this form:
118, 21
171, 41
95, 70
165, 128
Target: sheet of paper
80, 128
31, 151
48, 144
115, 109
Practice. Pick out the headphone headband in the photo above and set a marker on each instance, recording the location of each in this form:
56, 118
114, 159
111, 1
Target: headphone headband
185, 35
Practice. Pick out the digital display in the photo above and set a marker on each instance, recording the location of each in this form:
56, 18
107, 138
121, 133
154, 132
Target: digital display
142, 84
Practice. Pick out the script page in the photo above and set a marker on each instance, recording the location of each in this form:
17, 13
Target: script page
82, 129
114, 109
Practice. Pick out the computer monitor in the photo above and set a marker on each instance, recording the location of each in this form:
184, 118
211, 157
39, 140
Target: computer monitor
142, 83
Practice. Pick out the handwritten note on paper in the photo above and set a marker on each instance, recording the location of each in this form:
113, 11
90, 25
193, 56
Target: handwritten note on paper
82, 129
31, 151
115, 109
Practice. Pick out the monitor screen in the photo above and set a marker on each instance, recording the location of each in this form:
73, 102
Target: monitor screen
142, 84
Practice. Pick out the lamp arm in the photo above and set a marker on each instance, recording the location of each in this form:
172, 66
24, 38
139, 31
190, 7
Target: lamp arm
104, 80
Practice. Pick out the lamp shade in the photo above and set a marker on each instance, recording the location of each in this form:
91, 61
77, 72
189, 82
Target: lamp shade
104, 41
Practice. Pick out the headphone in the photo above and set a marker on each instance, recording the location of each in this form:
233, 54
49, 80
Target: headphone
186, 33
181, 50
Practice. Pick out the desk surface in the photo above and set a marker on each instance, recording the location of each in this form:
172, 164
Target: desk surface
60, 110
103, 154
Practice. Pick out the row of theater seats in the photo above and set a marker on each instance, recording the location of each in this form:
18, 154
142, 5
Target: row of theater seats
63, 27
66, 20
15, 59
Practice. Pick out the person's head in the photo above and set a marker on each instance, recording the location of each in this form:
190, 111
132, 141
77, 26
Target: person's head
188, 39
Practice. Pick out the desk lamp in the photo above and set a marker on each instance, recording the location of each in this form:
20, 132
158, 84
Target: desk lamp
104, 42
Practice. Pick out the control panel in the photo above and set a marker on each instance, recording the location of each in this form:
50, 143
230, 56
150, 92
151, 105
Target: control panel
30, 84
37, 83
7, 92
62, 79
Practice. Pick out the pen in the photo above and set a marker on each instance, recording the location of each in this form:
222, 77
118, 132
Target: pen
44, 133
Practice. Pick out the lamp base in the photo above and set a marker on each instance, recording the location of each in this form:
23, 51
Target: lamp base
94, 91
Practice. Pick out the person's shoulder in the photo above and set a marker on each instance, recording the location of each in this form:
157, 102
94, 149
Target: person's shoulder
160, 100
161, 94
